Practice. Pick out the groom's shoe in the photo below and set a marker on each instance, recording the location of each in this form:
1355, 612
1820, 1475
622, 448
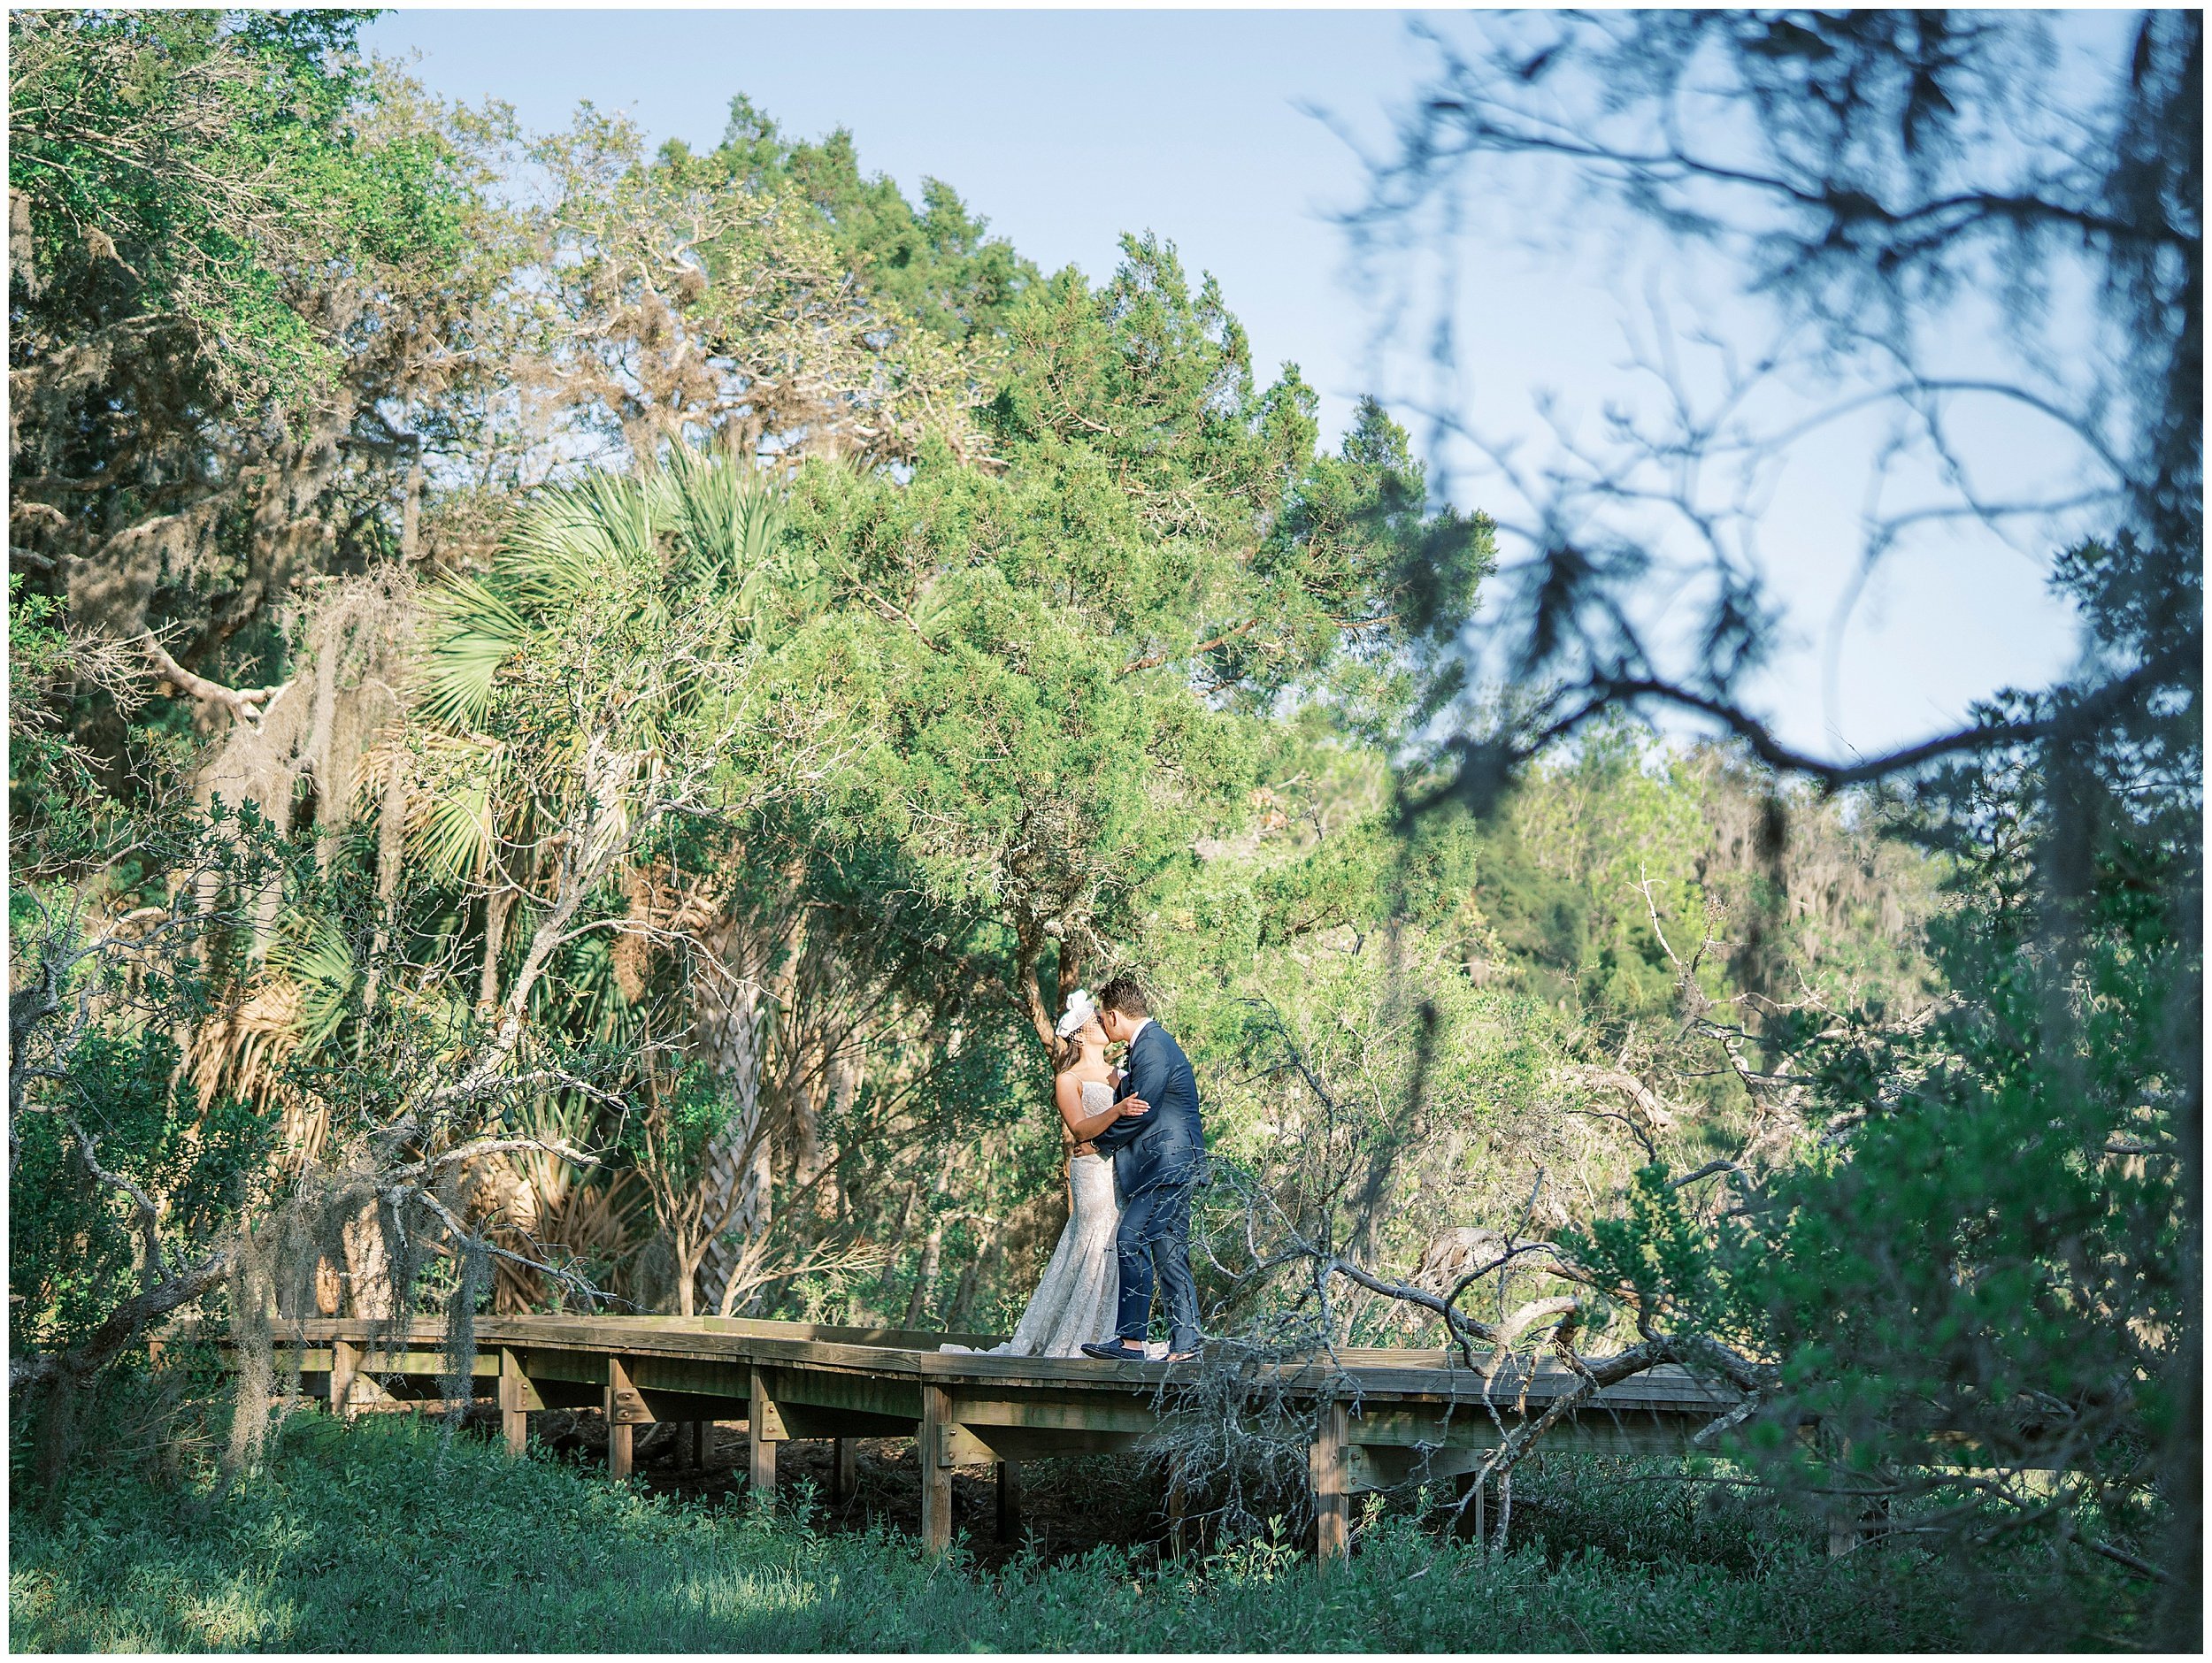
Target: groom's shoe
1113, 1350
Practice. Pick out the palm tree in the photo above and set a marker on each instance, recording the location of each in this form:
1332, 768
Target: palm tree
609, 670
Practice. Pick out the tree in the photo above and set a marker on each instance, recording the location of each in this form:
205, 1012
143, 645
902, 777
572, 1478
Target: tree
935, 265
239, 261
676, 301
1063, 664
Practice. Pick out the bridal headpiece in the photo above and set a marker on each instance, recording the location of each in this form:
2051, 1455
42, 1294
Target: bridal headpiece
1079, 1011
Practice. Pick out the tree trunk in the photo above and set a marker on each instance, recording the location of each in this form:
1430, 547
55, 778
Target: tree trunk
410, 511
497, 905
688, 1255
391, 835
731, 1028
368, 1265
925, 1275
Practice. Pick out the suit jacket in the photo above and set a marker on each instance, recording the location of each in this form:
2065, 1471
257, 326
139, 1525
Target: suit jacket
1162, 1146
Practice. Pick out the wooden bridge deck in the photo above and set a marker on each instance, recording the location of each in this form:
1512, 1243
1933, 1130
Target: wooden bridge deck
1383, 1416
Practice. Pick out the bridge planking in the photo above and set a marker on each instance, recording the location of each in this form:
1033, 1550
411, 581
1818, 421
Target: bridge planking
1384, 1416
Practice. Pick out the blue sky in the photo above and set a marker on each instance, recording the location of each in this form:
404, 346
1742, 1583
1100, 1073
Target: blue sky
1066, 128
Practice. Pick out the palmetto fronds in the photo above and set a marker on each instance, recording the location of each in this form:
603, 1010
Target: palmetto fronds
478, 631
615, 579
639, 596
728, 524
313, 954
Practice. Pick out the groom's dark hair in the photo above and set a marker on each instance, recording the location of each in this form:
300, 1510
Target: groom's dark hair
1123, 995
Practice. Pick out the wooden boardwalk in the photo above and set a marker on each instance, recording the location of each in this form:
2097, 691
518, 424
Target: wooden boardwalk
1382, 1416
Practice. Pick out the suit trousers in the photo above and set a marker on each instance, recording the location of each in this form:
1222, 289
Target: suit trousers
1156, 1227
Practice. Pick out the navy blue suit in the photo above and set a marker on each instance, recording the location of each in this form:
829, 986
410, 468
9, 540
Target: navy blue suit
1155, 1157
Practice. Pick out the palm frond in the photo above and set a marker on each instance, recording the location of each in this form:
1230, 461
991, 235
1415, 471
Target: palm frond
729, 521
474, 631
454, 835
583, 543
315, 956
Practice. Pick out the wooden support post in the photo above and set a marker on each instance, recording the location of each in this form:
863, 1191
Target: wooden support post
1470, 1526
933, 1447
1178, 1518
622, 1404
1009, 1501
345, 1363
514, 1415
1332, 1484
702, 1445
844, 1470
764, 1430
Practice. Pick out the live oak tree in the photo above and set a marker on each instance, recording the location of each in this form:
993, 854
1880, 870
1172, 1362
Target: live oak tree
242, 273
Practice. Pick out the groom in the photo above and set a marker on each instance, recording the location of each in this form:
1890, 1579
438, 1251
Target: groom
1156, 1145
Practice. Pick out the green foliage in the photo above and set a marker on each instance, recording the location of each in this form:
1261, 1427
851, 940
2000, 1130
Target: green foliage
1058, 674
605, 655
334, 1539
935, 265
202, 164
47, 776
74, 1245
1986, 1257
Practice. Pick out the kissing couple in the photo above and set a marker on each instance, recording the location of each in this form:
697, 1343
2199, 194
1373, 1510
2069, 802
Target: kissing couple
1137, 1149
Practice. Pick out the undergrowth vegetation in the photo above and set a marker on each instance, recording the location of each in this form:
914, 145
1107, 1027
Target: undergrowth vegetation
393, 1534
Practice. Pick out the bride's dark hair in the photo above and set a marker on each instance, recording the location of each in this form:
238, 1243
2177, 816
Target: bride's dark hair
1067, 1053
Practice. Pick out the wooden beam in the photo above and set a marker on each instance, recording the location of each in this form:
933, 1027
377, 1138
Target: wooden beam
1086, 1412
893, 1399
583, 1367
936, 1469
729, 1380
684, 1405
764, 1430
808, 1420
625, 1404
963, 1448
1029, 1443
1386, 1467
514, 1403
1471, 1525
425, 1363
1009, 1501
1596, 1431
1332, 1487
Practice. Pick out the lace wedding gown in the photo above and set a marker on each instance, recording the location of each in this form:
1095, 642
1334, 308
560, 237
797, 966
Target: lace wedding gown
1076, 1301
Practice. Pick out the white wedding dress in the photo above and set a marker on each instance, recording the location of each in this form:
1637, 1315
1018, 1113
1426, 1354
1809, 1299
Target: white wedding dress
1077, 1300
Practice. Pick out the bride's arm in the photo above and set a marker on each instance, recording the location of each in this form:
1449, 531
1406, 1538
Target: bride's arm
1067, 1090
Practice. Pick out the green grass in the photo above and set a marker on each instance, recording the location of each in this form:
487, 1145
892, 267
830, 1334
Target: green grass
388, 1535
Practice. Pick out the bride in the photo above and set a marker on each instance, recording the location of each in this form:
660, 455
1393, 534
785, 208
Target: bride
1075, 1302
